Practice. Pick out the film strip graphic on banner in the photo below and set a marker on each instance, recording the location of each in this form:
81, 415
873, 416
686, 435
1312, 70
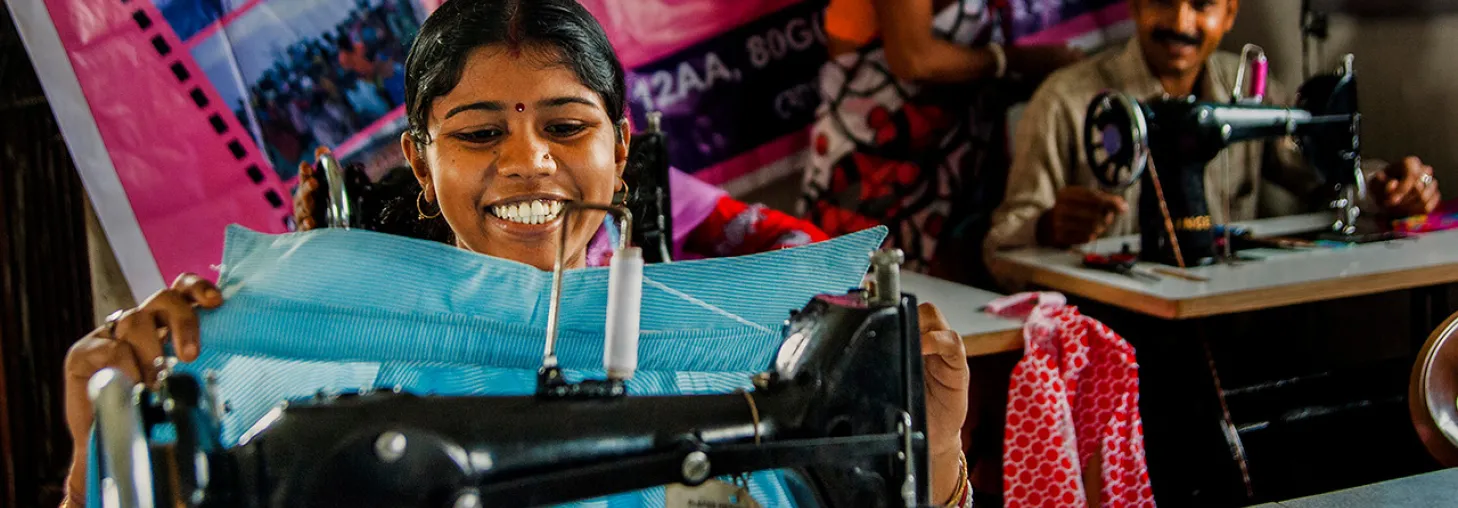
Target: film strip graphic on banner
165, 165
232, 136
183, 115
159, 100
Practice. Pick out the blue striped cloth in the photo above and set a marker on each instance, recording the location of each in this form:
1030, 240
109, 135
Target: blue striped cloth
337, 310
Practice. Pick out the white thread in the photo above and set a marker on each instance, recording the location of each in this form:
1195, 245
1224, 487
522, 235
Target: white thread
625, 299
1229, 202
705, 305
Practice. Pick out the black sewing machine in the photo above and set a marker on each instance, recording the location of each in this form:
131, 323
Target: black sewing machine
1174, 139
651, 199
841, 409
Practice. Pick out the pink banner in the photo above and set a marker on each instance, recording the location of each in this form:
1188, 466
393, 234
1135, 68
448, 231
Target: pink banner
1094, 28
187, 167
644, 31
185, 116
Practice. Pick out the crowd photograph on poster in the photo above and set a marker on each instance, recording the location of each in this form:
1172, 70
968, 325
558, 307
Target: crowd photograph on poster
311, 74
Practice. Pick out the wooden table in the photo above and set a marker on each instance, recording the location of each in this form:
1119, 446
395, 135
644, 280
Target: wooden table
1288, 279
1439, 488
983, 334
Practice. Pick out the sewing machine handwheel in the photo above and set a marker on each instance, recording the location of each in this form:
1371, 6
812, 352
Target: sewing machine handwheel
356, 186
1116, 140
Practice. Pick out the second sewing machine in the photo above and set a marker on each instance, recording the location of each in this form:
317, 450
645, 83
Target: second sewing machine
1165, 145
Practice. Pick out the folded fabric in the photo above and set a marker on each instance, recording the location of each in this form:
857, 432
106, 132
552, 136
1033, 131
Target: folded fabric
1073, 403
1442, 218
334, 310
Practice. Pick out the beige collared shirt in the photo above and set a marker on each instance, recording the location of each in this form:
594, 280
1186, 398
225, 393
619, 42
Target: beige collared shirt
1048, 149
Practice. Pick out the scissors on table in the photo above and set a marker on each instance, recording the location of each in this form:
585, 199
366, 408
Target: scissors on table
1121, 263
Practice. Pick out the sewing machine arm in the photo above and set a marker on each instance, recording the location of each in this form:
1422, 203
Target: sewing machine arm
843, 404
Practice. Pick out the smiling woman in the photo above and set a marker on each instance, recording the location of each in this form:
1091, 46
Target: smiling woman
563, 145
474, 157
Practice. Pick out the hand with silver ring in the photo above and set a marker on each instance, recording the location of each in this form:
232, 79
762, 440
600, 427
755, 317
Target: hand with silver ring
131, 341
1407, 188
111, 320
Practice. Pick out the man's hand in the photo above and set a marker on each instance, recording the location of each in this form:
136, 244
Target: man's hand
1080, 215
1406, 189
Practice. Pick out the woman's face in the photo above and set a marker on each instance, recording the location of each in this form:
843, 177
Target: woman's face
517, 138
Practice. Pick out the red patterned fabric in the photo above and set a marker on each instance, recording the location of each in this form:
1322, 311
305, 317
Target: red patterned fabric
735, 228
1073, 402
922, 161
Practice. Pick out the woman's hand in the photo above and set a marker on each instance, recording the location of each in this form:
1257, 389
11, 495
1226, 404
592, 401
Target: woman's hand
131, 343
944, 360
1037, 62
304, 218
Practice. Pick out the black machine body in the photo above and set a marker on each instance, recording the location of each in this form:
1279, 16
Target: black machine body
651, 199
841, 409
1165, 145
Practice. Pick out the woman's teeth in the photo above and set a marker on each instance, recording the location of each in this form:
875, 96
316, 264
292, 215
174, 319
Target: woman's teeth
529, 212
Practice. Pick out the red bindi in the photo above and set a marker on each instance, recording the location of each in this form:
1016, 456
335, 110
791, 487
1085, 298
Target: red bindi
520, 107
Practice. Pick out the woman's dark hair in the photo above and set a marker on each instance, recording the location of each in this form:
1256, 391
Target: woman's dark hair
458, 27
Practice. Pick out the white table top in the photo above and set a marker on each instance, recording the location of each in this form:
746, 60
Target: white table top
1290, 278
1422, 491
983, 333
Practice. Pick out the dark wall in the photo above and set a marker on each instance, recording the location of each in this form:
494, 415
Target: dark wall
44, 271
1405, 68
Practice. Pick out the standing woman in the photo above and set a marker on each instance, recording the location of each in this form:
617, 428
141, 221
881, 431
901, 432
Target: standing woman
909, 126
515, 107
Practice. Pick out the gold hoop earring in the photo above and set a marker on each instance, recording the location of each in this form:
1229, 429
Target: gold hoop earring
620, 198
421, 209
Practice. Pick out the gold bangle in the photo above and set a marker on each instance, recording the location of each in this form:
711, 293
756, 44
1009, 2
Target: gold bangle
962, 480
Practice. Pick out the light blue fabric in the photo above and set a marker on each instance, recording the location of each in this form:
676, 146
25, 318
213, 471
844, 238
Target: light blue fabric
333, 310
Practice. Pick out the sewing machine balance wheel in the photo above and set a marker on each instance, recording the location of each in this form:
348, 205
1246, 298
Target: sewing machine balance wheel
1116, 140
